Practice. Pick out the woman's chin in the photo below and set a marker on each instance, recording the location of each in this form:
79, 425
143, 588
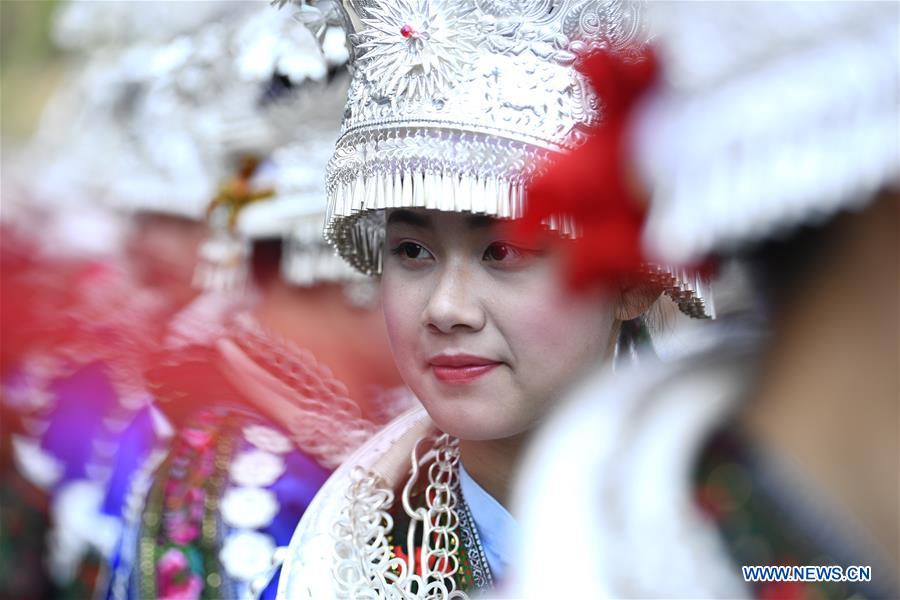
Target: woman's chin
471, 417
480, 410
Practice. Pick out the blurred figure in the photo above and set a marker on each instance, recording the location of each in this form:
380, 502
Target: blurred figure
128, 156
255, 423
257, 395
772, 144
78, 326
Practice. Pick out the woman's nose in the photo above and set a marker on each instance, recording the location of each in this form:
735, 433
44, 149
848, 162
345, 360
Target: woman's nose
454, 304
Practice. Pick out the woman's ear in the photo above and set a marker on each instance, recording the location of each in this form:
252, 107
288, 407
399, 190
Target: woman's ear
635, 299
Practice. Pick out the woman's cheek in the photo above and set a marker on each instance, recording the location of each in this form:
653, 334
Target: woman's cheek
402, 312
555, 335
543, 314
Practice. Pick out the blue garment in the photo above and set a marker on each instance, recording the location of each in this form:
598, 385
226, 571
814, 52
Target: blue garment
78, 431
135, 445
293, 488
497, 529
82, 401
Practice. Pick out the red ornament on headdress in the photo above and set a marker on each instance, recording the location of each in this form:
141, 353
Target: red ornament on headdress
593, 184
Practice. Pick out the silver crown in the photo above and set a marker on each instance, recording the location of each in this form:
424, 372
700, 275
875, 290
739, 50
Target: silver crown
455, 104
775, 115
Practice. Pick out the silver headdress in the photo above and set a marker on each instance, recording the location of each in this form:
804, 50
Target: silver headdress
773, 115
454, 104
276, 103
296, 211
308, 119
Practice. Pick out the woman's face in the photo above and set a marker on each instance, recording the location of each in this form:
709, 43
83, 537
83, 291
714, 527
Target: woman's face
480, 325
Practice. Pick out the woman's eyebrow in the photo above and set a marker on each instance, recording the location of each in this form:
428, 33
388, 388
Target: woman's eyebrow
409, 218
480, 221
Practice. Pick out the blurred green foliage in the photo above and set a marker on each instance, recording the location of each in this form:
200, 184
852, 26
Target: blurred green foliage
30, 65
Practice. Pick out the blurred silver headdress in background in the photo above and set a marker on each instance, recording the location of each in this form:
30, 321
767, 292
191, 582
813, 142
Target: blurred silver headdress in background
165, 101
307, 111
772, 116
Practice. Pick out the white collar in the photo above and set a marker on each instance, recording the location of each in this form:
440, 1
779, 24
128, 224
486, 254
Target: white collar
496, 527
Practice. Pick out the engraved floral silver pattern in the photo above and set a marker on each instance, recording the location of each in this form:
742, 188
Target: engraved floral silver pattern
416, 49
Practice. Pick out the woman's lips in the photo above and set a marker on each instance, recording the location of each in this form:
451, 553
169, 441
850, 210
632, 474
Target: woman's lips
461, 368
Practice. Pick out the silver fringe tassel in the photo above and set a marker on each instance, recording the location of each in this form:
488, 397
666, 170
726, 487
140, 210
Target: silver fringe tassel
355, 220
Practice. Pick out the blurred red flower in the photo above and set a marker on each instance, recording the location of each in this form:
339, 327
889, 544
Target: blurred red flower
593, 184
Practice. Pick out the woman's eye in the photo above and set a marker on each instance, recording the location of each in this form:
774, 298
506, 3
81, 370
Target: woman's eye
411, 251
498, 251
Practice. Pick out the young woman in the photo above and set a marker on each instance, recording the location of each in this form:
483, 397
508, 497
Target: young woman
452, 108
